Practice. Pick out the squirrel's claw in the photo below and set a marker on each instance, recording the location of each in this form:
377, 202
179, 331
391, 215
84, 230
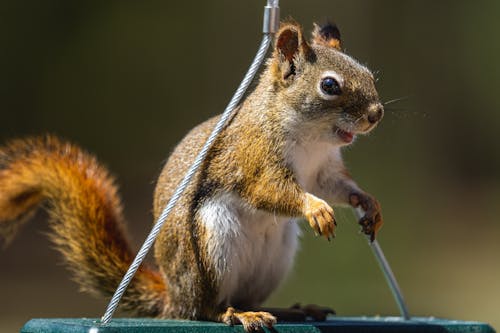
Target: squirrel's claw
368, 227
251, 321
372, 221
320, 216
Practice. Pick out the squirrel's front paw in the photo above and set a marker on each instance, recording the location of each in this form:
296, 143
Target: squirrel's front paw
372, 221
320, 216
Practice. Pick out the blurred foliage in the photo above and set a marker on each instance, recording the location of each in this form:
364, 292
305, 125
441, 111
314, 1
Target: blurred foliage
126, 80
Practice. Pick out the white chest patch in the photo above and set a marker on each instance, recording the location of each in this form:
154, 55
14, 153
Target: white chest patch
252, 250
309, 158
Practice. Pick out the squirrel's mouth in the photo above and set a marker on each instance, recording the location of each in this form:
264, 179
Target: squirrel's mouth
344, 135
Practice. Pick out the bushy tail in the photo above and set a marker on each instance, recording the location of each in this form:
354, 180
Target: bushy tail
85, 216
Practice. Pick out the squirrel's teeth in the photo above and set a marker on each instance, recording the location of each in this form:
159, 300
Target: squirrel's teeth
347, 137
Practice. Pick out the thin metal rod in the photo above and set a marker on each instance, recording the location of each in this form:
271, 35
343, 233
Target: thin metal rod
113, 304
388, 274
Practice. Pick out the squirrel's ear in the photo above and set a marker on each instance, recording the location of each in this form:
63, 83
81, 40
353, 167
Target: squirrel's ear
291, 49
327, 35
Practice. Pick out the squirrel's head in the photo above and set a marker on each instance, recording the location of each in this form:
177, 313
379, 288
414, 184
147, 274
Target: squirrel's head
329, 93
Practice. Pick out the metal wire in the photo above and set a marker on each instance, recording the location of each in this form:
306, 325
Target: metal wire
388, 274
113, 304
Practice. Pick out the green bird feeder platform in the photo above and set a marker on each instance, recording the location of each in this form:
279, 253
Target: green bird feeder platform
333, 324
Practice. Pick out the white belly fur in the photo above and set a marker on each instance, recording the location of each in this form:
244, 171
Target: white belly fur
252, 250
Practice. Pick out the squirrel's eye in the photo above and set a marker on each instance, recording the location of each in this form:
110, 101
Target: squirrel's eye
330, 86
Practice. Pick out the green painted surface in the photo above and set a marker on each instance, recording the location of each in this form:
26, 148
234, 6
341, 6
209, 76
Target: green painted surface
335, 324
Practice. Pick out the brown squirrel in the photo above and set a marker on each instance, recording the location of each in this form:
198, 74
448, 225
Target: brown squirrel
232, 237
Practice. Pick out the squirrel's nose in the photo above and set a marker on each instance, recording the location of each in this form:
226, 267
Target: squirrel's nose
375, 113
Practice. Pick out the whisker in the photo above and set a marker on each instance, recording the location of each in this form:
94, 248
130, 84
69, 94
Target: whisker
376, 75
396, 100
355, 122
396, 109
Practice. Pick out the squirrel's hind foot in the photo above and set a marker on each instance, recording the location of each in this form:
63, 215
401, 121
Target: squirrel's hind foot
251, 321
300, 313
316, 312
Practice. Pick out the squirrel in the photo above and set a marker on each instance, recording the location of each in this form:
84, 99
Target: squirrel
233, 235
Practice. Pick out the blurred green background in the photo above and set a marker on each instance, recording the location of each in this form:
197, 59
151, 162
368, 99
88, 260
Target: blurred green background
126, 80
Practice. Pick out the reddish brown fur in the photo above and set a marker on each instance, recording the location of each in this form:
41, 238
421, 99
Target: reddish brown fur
85, 216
